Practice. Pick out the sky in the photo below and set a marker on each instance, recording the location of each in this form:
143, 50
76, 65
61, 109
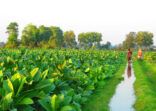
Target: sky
113, 18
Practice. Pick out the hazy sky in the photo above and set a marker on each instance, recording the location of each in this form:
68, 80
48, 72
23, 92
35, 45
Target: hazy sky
113, 18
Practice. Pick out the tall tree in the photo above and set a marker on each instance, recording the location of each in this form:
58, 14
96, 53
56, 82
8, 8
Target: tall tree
130, 40
12, 31
83, 40
144, 39
89, 39
69, 39
56, 40
108, 45
30, 36
44, 33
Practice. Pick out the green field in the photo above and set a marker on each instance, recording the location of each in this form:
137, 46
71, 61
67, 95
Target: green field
77, 55
145, 84
54, 80
71, 80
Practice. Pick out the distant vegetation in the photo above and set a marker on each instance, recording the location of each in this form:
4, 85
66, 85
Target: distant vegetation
142, 39
50, 37
53, 37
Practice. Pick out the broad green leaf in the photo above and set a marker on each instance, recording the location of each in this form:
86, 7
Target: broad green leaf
18, 81
53, 102
7, 100
45, 104
41, 94
13, 109
26, 101
8, 87
70, 92
15, 68
68, 108
1, 64
60, 98
77, 98
16, 76
46, 85
90, 87
44, 74
33, 72
10, 60
1, 73
67, 100
21, 85
77, 106
70, 61
87, 70
10, 84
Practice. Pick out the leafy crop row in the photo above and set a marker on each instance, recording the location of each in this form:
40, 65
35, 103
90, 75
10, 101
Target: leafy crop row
150, 56
53, 80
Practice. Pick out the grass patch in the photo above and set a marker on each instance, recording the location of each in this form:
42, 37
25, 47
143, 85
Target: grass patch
100, 100
145, 86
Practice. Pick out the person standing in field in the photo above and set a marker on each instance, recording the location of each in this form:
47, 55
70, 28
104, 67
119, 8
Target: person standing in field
129, 55
139, 54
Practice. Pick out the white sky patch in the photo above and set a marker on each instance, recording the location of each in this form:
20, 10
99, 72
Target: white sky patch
113, 18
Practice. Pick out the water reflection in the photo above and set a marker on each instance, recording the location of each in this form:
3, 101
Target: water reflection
124, 97
129, 70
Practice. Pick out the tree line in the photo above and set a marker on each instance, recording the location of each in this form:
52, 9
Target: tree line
54, 37
141, 39
50, 37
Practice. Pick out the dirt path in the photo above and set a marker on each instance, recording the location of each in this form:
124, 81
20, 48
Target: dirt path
124, 97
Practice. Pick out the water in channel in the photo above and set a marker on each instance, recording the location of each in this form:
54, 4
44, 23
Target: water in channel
124, 96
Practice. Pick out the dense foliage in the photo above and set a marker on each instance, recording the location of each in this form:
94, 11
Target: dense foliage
12, 31
50, 37
53, 80
143, 39
145, 83
150, 56
89, 39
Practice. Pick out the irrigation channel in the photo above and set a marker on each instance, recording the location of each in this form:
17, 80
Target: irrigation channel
124, 96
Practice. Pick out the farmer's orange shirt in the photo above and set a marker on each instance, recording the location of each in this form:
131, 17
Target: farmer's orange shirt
139, 53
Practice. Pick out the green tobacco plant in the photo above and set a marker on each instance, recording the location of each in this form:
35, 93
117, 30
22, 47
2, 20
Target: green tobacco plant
53, 80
